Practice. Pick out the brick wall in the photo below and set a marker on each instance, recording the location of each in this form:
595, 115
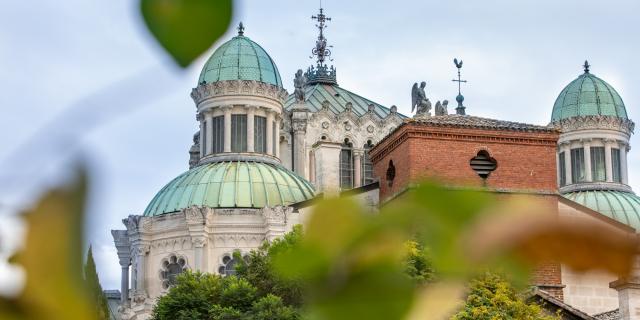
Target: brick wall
526, 161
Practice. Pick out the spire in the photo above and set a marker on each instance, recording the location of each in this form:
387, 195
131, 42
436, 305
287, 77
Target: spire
460, 109
321, 73
586, 66
240, 29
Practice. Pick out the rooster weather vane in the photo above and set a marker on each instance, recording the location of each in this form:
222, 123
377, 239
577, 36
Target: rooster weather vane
460, 109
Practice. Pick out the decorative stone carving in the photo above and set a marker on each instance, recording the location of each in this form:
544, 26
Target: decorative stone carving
199, 242
595, 122
194, 215
441, 108
419, 101
131, 222
238, 87
370, 128
347, 126
325, 125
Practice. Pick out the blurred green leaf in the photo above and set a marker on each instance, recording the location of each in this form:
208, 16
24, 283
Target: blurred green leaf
187, 28
52, 259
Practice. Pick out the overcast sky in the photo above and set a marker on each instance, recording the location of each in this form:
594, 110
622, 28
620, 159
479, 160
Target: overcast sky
83, 78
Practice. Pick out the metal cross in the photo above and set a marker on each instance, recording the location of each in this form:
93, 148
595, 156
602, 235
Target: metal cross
459, 80
321, 49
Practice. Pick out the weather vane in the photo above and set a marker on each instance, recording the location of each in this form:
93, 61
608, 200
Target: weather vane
460, 98
321, 50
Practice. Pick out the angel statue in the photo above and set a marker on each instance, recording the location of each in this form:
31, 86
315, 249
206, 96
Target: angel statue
419, 100
441, 108
299, 82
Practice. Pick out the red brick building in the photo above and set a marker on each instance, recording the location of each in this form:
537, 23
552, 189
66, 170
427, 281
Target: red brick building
467, 151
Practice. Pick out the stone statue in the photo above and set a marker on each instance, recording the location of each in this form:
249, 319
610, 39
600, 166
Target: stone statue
419, 100
299, 82
441, 108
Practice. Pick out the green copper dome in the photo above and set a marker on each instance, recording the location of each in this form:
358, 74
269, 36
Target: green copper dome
588, 95
240, 59
234, 184
619, 205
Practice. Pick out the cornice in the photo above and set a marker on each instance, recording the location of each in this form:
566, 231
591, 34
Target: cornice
594, 123
238, 88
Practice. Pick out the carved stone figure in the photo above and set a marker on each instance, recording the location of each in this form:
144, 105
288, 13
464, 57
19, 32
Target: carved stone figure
441, 108
419, 101
299, 82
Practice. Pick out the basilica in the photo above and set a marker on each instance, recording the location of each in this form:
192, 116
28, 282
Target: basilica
262, 154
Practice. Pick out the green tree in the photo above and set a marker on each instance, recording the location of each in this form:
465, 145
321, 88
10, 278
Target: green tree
259, 271
190, 298
491, 297
94, 287
417, 264
271, 307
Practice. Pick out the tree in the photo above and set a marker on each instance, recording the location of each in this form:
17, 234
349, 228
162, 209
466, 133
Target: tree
95, 289
259, 271
417, 264
491, 297
210, 297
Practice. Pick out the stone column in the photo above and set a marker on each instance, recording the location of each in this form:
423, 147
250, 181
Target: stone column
277, 136
299, 117
203, 147
312, 167
357, 172
251, 111
567, 162
607, 159
121, 240
199, 244
270, 133
624, 148
227, 128
586, 145
209, 137
140, 253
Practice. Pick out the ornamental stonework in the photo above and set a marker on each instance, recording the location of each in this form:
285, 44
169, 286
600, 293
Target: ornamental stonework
238, 87
595, 122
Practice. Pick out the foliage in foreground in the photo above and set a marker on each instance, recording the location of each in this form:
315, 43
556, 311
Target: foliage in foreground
258, 269
492, 297
94, 287
210, 297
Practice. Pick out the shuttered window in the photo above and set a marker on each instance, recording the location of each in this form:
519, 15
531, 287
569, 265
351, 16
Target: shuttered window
218, 134
577, 165
598, 169
367, 165
615, 164
238, 133
260, 134
346, 166
483, 164
563, 169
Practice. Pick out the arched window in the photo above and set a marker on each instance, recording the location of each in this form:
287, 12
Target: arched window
171, 268
391, 173
367, 165
346, 165
228, 266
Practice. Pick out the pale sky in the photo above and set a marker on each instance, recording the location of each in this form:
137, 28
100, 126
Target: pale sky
83, 78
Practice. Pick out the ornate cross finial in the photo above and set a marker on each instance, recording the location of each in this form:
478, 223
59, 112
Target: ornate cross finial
320, 49
460, 98
586, 66
240, 29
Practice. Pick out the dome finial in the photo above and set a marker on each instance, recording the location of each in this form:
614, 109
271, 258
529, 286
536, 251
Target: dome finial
240, 29
460, 97
586, 66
